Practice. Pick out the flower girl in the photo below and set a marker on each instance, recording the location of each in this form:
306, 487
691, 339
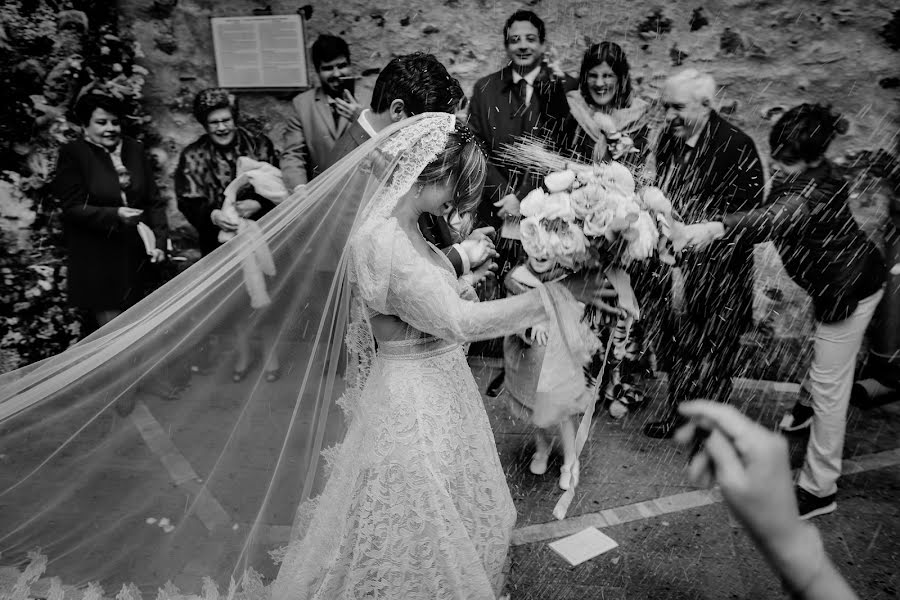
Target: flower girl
546, 381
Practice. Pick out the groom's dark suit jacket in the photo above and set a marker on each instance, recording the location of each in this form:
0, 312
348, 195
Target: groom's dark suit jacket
435, 229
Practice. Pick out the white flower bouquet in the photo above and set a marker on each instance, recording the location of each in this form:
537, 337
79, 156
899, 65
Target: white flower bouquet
592, 216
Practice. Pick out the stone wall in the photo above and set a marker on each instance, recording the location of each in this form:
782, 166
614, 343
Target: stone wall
762, 53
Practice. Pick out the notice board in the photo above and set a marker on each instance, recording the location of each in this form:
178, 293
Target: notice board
265, 52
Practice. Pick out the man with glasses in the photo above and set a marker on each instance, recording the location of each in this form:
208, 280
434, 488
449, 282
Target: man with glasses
707, 167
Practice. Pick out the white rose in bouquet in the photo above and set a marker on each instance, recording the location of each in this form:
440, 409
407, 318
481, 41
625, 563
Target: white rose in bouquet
558, 206
532, 205
625, 206
559, 181
597, 223
572, 241
586, 199
585, 175
535, 239
568, 242
555, 244
643, 237
624, 214
653, 199
616, 177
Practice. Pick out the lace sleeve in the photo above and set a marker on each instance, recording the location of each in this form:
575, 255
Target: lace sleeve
424, 296
421, 295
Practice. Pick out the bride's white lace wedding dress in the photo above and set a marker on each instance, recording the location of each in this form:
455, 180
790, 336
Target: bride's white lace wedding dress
417, 505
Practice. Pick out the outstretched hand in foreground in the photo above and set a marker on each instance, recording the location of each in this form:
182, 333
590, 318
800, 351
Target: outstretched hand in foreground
750, 465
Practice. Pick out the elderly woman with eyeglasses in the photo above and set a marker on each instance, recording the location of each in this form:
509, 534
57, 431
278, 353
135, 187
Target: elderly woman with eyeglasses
205, 169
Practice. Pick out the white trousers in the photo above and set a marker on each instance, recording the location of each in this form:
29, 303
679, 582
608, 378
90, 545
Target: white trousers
828, 385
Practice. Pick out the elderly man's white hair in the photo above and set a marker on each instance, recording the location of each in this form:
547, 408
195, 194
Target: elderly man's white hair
700, 85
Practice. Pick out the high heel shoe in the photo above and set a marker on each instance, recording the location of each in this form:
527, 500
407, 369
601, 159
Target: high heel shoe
568, 476
238, 375
125, 405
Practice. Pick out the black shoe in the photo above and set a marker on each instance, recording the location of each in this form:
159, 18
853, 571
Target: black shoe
496, 385
163, 389
812, 506
125, 405
663, 430
859, 396
800, 417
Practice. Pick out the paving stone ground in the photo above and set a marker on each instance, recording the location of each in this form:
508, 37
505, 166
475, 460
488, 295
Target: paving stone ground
699, 552
675, 541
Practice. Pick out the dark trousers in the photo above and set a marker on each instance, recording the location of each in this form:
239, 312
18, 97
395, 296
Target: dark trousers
702, 355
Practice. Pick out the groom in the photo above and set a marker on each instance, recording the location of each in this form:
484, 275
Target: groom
410, 85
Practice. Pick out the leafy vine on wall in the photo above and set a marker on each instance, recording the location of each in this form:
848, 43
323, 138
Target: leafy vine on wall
51, 52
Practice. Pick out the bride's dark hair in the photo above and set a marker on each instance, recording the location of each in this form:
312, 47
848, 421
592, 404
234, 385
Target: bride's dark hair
462, 162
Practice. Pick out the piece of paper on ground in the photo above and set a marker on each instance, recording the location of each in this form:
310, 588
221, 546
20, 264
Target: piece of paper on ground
583, 545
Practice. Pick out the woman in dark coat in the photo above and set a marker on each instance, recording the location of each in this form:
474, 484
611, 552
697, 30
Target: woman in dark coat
106, 188
205, 169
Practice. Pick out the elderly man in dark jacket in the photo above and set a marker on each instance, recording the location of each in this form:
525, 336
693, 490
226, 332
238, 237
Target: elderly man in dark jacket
707, 167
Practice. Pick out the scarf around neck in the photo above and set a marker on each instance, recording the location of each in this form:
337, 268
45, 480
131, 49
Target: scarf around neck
597, 123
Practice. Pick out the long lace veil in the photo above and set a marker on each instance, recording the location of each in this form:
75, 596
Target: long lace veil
191, 494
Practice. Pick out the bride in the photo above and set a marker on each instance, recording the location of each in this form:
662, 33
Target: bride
413, 503
417, 505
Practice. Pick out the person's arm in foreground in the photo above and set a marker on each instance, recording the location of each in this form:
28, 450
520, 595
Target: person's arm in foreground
750, 465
